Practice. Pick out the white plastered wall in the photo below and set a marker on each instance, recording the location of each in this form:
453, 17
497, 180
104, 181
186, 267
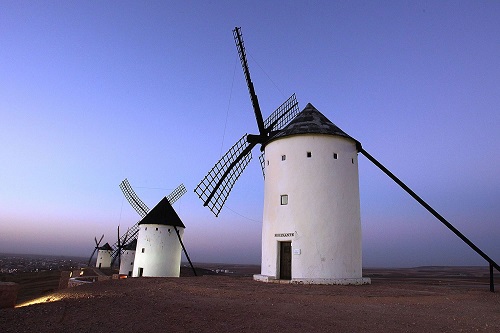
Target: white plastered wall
127, 262
103, 259
322, 217
158, 251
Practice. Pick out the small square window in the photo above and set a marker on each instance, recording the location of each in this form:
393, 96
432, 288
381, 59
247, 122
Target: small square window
283, 157
309, 154
143, 249
284, 199
156, 229
335, 156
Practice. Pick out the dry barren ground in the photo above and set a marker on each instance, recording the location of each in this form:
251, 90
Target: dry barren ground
395, 302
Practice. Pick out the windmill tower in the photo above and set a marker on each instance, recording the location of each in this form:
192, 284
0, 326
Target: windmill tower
163, 215
104, 256
127, 258
159, 243
311, 230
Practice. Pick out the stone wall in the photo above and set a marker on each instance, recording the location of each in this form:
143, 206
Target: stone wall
8, 294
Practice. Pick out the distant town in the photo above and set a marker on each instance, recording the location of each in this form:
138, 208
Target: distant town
19, 263
26, 263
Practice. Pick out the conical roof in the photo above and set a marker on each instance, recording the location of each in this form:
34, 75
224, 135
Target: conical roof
163, 213
310, 121
131, 246
106, 247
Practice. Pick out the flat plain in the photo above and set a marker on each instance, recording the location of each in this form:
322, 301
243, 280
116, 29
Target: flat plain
423, 299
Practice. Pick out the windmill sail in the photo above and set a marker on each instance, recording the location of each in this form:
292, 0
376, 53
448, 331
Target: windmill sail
120, 243
97, 243
240, 46
176, 194
278, 120
136, 203
130, 235
214, 189
282, 115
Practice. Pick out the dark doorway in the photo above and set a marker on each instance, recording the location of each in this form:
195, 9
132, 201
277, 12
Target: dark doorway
285, 260
100, 265
141, 271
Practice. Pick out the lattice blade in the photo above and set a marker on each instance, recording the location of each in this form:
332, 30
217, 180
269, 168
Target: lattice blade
282, 115
176, 194
136, 203
218, 183
132, 234
240, 46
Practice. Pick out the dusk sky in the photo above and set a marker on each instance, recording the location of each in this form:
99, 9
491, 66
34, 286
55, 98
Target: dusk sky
93, 92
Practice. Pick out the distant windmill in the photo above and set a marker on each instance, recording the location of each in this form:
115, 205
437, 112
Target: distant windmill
217, 184
96, 248
311, 230
128, 258
142, 209
104, 256
159, 243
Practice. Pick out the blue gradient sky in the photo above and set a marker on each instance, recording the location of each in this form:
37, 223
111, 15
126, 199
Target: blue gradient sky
94, 92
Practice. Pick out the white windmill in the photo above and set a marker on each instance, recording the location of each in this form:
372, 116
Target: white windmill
311, 230
127, 258
104, 256
311, 204
158, 236
159, 243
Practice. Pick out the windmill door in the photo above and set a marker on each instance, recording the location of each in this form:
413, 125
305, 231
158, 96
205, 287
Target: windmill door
285, 260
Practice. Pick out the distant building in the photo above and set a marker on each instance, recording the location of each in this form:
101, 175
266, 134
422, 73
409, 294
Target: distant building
158, 251
127, 258
104, 256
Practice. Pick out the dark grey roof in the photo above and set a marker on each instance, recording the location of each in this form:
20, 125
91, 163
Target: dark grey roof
163, 213
106, 247
131, 246
310, 121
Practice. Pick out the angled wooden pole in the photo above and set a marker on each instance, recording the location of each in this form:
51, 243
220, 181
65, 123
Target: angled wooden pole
184, 249
491, 262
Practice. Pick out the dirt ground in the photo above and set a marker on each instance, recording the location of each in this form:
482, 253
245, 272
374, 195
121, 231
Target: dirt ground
410, 300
